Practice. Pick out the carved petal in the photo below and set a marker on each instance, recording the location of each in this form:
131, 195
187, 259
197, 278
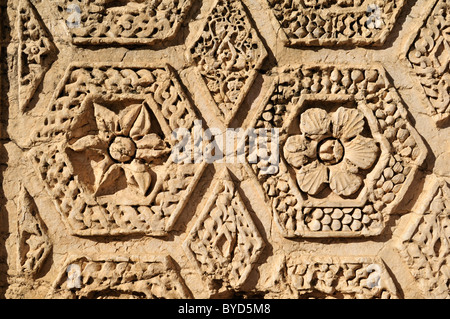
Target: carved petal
109, 177
151, 147
142, 125
151, 141
89, 142
127, 118
149, 154
315, 123
342, 182
347, 123
361, 151
107, 120
296, 150
312, 177
137, 175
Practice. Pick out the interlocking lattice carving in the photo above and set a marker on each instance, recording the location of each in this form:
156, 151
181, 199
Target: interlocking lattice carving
331, 22
331, 116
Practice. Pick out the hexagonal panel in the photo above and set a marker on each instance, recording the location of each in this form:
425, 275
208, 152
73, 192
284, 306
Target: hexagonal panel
348, 153
327, 23
104, 149
227, 54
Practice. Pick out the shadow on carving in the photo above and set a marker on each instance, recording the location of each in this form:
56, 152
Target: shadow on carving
398, 26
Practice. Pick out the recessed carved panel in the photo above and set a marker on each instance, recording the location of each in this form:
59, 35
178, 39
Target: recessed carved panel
106, 148
425, 245
99, 22
349, 153
36, 51
330, 22
303, 276
115, 277
224, 242
429, 55
34, 244
228, 53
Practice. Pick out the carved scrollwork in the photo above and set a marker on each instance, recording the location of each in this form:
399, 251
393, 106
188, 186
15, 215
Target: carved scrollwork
306, 276
224, 242
97, 22
425, 244
227, 53
36, 51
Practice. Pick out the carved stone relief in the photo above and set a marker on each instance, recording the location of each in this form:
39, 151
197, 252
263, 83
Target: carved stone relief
425, 245
350, 153
429, 56
339, 277
330, 22
35, 53
118, 277
99, 22
224, 149
224, 243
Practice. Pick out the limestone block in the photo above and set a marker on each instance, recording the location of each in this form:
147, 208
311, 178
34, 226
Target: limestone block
278, 149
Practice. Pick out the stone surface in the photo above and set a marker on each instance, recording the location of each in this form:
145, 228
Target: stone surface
98, 200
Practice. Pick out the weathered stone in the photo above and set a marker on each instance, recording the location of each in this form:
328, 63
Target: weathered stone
224, 148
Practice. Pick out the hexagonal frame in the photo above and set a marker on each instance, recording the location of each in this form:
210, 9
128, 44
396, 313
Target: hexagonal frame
81, 212
377, 98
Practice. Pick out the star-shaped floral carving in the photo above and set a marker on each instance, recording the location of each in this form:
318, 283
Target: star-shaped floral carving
126, 144
36, 50
331, 151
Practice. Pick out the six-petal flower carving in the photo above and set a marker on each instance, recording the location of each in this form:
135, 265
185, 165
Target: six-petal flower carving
127, 145
331, 151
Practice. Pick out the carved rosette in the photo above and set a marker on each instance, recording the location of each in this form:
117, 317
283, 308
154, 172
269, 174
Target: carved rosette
308, 276
104, 149
115, 277
227, 54
429, 57
99, 22
224, 242
331, 22
348, 152
425, 244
